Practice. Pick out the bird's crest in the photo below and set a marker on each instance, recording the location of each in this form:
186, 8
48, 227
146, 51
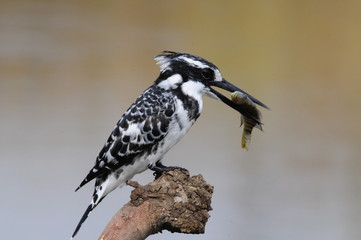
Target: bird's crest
166, 57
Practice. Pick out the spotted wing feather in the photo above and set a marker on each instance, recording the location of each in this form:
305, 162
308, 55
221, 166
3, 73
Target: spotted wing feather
138, 131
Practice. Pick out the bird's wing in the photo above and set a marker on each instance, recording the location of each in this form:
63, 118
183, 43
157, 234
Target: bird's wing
139, 130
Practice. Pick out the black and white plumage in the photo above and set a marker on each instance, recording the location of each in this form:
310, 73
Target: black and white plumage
156, 121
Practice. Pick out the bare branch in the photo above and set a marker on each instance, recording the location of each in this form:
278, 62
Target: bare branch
173, 202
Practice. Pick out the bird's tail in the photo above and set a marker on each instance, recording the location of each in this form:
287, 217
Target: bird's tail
97, 198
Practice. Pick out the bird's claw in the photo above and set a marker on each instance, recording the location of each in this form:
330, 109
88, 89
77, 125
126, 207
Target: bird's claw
159, 169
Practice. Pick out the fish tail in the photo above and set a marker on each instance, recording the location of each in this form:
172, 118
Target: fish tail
246, 139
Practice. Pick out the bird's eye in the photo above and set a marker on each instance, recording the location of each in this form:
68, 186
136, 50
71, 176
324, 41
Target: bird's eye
207, 73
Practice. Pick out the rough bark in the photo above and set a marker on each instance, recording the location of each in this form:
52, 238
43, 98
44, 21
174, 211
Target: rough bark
175, 202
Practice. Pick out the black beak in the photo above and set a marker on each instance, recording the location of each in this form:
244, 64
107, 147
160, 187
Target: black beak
231, 88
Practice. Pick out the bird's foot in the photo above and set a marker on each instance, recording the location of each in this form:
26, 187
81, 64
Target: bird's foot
159, 168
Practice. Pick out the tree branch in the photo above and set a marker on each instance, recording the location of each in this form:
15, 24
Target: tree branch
173, 202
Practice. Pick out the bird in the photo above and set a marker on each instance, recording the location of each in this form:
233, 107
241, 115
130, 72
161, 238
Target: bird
156, 121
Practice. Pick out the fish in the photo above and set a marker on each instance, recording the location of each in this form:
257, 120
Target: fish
248, 123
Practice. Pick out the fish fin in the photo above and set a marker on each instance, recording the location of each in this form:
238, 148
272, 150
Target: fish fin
259, 126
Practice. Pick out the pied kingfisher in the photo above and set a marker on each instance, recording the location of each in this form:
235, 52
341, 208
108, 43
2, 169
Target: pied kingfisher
156, 121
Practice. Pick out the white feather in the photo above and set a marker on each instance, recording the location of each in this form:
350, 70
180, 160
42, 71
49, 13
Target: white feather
195, 90
171, 82
217, 75
193, 62
163, 62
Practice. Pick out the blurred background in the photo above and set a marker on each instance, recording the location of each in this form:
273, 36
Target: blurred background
69, 69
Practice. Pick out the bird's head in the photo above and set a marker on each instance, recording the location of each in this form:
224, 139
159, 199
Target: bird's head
196, 76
